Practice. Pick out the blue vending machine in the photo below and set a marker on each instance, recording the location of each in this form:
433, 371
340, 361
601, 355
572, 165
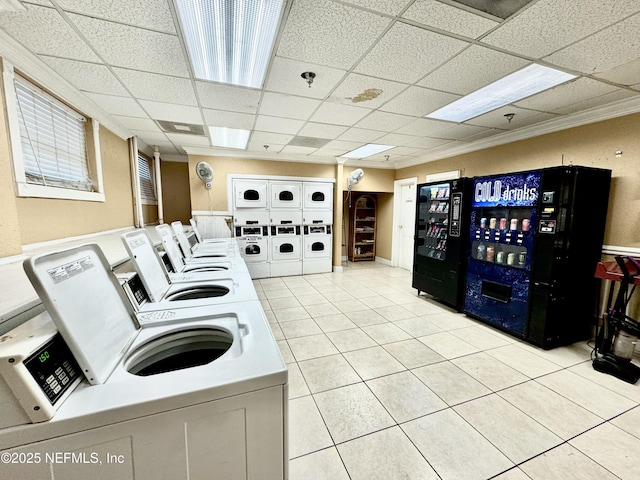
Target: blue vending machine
535, 239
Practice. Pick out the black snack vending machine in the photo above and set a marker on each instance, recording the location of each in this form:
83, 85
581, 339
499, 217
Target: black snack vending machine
535, 239
440, 246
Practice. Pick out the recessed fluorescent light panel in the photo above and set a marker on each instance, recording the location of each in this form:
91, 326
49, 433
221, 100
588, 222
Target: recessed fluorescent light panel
229, 137
367, 150
516, 86
230, 41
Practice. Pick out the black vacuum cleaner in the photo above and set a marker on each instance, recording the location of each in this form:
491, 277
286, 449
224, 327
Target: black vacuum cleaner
618, 334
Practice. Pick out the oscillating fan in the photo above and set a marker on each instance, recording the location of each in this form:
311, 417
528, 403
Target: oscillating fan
354, 178
205, 173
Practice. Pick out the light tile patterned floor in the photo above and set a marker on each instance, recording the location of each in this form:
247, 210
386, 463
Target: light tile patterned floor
386, 384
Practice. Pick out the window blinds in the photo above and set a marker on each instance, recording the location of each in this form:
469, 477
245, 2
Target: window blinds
147, 189
53, 139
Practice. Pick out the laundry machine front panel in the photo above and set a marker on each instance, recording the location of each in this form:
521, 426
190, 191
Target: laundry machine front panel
318, 195
250, 216
285, 195
250, 193
285, 217
317, 217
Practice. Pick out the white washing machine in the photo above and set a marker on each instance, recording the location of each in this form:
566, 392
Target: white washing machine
180, 264
206, 393
253, 243
317, 196
317, 249
285, 250
222, 246
146, 259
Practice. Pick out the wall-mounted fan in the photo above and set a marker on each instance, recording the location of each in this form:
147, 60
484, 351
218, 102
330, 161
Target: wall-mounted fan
354, 178
205, 173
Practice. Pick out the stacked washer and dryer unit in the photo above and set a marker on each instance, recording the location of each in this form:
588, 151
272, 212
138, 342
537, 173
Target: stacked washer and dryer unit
283, 225
102, 387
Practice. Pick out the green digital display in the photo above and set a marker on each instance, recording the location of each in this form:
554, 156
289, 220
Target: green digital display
44, 356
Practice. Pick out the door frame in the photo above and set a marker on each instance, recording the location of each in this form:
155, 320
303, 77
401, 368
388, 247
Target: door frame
397, 206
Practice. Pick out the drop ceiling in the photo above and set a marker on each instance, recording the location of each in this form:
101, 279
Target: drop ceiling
380, 65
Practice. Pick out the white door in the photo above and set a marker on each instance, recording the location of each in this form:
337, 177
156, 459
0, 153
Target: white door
407, 226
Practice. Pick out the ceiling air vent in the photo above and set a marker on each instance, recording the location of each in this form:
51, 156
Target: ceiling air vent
177, 127
500, 8
309, 142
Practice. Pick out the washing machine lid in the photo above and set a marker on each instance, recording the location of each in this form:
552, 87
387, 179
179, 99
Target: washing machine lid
147, 262
89, 307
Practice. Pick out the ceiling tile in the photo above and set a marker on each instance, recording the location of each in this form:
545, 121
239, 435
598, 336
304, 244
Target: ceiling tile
390, 7
182, 139
342, 145
151, 14
364, 91
220, 118
167, 148
278, 125
172, 112
287, 106
549, 25
285, 77
427, 142
162, 88
497, 119
227, 97
396, 139
424, 127
487, 132
329, 152
258, 147
404, 151
290, 149
603, 51
142, 124
114, 105
329, 33
150, 137
267, 138
134, 48
418, 101
625, 74
566, 94
450, 19
459, 131
88, 77
338, 114
618, 95
407, 53
43, 31
472, 69
322, 130
383, 121
360, 135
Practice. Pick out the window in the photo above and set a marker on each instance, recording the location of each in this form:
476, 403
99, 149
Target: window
147, 184
55, 148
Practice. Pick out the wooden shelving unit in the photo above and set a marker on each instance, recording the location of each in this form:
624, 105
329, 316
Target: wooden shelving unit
362, 234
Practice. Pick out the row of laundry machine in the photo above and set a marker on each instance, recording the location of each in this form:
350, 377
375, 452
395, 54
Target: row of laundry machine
283, 225
143, 372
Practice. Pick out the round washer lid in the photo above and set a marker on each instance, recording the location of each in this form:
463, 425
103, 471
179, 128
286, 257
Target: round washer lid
88, 306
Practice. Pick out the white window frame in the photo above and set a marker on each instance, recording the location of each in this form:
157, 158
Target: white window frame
24, 189
150, 164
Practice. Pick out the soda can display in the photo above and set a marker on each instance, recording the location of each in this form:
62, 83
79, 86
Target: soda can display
503, 223
500, 257
526, 223
511, 258
522, 258
492, 222
490, 253
513, 225
483, 222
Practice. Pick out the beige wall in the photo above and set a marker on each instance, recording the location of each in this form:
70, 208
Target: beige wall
150, 214
43, 219
176, 200
384, 225
9, 222
591, 145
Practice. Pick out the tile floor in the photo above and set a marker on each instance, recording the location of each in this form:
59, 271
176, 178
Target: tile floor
385, 384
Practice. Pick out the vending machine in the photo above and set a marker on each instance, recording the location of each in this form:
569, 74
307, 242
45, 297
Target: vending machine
441, 245
535, 239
